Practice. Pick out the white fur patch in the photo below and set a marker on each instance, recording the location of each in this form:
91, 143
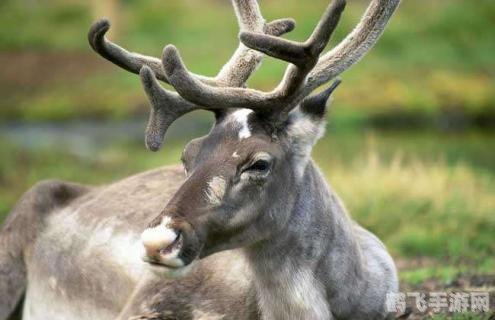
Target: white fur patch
304, 290
41, 303
46, 297
127, 250
298, 295
235, 155
240, 117
216, 190
123, 249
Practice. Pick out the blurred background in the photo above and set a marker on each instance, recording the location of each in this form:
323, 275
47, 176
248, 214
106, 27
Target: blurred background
410, 142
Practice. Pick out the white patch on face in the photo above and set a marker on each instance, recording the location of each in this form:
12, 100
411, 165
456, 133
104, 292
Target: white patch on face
240, 117
216, 190
235, 155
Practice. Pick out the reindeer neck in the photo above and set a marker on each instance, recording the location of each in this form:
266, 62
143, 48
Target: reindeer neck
294, 268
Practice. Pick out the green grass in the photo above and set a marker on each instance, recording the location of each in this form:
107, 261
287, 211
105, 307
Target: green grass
446, 273
418, 206
464, 316
442, 65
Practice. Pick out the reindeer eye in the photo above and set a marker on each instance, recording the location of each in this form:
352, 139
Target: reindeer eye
259, 166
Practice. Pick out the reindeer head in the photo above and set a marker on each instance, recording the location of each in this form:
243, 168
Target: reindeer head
243, 177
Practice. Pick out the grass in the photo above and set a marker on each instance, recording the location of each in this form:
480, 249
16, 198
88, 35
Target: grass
431, 70
466, 316
445, 273
418, 206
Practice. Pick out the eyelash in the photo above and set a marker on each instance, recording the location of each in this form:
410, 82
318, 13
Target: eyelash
260, 165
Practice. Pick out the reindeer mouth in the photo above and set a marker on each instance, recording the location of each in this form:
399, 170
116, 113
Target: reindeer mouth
171, 247
166, 254
176, 244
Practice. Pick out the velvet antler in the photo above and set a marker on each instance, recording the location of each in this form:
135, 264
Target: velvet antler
307, 69
167, 106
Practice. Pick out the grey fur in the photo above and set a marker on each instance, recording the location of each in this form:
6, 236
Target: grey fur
20, 231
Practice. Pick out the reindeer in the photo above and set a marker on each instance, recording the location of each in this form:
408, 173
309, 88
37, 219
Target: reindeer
251, 230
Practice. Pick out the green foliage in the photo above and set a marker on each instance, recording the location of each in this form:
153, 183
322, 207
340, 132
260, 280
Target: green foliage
49, 26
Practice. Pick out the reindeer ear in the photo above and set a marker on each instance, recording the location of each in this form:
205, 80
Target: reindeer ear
316, 105
306, 124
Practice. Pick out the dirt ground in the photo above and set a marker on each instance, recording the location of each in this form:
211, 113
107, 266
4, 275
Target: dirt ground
461, 284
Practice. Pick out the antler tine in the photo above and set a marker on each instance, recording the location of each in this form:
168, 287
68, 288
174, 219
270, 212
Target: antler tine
297, 53
133, 62
296, 74
303, 55
355, 45
280, 27
244, 61
299, 79
127, 60
166, 107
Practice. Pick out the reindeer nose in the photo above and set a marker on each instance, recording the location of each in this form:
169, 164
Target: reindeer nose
156, 238
162, 245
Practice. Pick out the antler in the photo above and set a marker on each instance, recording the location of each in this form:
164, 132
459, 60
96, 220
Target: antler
306, 72
166, 105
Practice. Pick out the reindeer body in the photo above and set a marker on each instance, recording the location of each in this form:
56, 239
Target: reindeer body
84, 261
247, 229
